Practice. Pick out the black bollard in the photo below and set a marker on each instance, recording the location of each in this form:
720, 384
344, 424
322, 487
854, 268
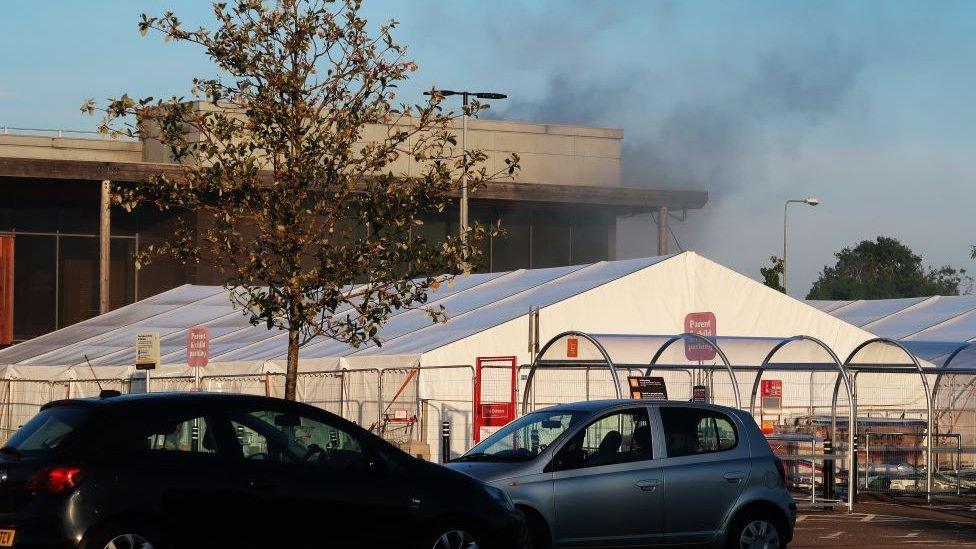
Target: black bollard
445, 441
828, 469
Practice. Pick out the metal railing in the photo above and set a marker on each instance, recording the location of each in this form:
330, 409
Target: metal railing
51, 132
811, 469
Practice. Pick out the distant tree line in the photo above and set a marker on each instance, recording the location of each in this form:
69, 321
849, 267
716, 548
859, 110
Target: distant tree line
885, 268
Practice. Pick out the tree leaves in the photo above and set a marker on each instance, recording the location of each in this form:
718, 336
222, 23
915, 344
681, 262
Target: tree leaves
883, 269
302, 181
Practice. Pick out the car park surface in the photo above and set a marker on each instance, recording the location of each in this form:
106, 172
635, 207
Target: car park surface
638, 473
218, 470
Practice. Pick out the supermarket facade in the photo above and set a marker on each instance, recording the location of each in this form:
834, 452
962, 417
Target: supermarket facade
58, 241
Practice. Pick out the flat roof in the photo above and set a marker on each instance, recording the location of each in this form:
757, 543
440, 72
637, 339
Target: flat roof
624, 197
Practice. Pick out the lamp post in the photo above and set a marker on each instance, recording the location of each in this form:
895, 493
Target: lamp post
810, 201
466, 95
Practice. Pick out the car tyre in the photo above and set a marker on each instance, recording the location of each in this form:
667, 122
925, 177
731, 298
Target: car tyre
757, 531
452, 536
123, 535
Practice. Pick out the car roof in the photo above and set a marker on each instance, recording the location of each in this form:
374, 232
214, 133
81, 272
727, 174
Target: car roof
596, 405
162, 398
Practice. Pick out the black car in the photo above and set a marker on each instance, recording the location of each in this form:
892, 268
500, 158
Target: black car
220, 470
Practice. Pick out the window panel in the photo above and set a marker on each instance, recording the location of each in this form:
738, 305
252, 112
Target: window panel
34, 285
290, 438
691, 431
510, 251
621, 437
551, 239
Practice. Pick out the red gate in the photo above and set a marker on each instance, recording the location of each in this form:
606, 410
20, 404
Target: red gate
494, 393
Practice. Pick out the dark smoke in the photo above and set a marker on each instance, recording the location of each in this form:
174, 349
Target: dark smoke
716, 143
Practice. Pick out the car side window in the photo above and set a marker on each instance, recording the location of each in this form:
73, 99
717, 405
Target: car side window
166, 435
191, 435
292, 438
620, 437
690, 431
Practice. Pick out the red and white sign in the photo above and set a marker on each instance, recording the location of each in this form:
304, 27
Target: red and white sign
771, 388
771, 393
496, 410
703, 324
198, 347
572, 348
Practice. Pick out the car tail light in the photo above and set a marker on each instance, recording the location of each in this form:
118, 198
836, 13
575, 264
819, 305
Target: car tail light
56, 480
781, 469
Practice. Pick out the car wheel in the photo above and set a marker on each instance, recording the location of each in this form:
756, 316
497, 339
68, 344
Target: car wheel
454, 539
123, 535
756, 531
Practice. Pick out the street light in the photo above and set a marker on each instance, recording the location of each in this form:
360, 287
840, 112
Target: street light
466, 95
810, 201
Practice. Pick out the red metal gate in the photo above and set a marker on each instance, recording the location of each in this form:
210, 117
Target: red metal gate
6, 289
494, 393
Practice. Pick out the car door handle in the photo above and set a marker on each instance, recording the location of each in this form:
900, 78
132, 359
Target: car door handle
734, 477
648, 485
261, 484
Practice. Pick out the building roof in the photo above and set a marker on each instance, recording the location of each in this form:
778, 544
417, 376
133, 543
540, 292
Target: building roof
558, 164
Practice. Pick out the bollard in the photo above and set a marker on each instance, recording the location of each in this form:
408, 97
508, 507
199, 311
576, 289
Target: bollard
853, 473
828, 469
445, 441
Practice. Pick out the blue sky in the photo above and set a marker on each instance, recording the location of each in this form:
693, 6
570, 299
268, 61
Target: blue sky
867, 105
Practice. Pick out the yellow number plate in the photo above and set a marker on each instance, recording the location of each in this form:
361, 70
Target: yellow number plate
7, 538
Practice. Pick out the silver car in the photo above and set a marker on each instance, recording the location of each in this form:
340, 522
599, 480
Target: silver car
631, 473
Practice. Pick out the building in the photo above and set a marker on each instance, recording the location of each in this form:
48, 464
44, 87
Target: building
561, 210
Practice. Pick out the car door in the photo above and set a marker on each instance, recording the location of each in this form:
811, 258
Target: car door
324, 483
607, 488
706, 468
169, 463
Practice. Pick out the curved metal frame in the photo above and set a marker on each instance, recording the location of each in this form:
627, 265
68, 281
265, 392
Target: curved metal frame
943, 370
710, 343
842, 375
928, 404
542, 353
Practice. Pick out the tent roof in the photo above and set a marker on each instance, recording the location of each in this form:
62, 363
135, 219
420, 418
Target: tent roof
937, 329
474, 303
936, 318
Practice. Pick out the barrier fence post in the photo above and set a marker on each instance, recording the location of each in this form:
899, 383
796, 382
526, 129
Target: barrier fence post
853, 473
828, 469
445, 441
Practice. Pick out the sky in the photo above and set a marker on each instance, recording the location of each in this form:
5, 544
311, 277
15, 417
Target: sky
867, 106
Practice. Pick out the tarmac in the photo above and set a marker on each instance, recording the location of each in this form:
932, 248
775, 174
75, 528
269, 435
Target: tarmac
890, 522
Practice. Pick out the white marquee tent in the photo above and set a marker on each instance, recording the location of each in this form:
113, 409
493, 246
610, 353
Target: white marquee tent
489, 317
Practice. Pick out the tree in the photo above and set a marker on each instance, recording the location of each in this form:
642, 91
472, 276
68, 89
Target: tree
773, 275
294, 157
885, 268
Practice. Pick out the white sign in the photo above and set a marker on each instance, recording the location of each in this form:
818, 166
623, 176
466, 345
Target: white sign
147, 350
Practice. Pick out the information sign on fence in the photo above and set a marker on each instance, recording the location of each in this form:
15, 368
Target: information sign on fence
147, 350
699, 393
647, 388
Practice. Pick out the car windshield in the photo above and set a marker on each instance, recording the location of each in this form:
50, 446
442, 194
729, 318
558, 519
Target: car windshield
48, 431
526, 437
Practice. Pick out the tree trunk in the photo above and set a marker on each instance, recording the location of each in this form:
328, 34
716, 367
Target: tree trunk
291, 374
